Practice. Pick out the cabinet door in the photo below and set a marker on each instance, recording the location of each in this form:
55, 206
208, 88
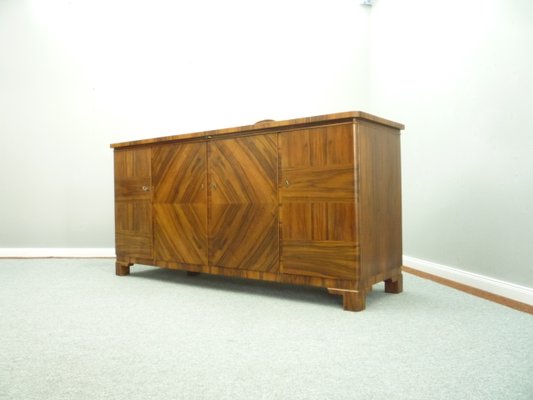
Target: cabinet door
133, 203
180, 203
243, 223
317, 202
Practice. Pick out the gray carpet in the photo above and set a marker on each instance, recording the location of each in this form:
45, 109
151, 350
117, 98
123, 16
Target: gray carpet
71, 329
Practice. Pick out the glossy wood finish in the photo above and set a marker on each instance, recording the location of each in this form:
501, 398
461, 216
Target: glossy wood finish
133, 203
313, 201
380, 201
180, 202
317, 202
394, 284
122, 269
243, 222
352, 300
268, 126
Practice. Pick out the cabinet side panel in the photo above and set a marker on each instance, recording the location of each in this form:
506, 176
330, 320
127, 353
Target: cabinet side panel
380, 201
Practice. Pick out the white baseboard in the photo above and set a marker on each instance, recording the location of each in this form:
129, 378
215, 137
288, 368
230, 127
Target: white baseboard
501, 288
511, 291
57, 252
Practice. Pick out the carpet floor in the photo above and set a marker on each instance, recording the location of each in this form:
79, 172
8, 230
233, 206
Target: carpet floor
71, 329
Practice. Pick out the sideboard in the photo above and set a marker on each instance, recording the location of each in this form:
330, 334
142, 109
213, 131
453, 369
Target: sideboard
312, 201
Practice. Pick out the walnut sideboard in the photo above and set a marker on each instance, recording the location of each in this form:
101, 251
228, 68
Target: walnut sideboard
312, 201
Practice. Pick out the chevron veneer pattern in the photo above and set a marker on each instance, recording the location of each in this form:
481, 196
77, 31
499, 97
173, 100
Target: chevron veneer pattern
243, 222
227, 217
244, 170
314, 201
180, 203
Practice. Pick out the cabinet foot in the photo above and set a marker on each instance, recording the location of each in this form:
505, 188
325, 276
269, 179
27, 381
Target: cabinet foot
352, 300
394, 284
122, 269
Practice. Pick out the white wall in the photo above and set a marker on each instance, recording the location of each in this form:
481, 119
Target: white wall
459, 75
77, 75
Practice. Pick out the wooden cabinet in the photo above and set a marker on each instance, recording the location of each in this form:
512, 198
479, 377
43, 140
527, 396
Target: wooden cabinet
313, 201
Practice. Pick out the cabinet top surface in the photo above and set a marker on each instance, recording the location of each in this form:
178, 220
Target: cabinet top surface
269, 126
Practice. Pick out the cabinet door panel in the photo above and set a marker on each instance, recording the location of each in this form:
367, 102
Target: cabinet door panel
180, 233
180, 203
133, 203
243, 224
244, 236
179, 173
244, 170
317, 202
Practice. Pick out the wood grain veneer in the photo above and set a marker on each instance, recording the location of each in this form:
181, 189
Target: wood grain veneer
313, 201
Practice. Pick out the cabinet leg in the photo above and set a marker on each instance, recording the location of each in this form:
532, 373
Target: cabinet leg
352, 300
122, 269
394, 284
